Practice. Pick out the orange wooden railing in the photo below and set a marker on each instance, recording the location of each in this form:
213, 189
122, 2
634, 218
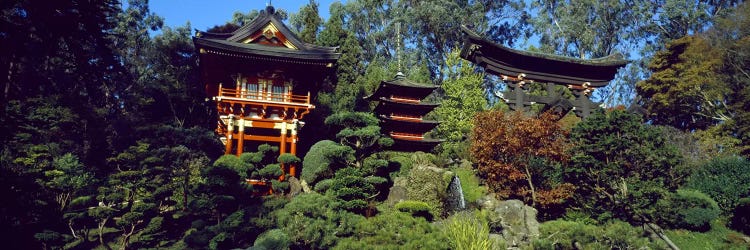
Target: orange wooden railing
410, 118
264, 95
407, 136
404, 99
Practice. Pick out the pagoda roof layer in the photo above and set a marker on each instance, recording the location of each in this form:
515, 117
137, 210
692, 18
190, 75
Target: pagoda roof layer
265, 36
262, 52
400, 86
415, 126
425, 145
501, 60
387, 106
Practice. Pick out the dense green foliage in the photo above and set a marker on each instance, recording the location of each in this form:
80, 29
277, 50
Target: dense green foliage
621, 166
463, 98
323, 159
688, 209
272, 239
415, 208
394, 230
726, 180
684, 90
426, 183
719, 237
310, 221
561, 234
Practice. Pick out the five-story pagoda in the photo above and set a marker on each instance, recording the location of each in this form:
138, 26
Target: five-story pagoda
401, 113
260, 77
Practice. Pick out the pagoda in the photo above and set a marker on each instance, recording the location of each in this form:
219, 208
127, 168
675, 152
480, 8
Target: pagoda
519, 68
260, 77
401, 112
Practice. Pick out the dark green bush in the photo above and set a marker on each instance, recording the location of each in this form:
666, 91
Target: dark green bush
415, 208
288, 158
271, 171
312, 223
394, 230
561, 234
351, 190
741, 217
725, 179
272, 239
688, 209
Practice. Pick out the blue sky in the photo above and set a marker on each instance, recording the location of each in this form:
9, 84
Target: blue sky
204, 14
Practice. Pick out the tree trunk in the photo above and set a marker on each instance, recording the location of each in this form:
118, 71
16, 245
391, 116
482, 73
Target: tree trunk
126, 237
531, 185
101, 234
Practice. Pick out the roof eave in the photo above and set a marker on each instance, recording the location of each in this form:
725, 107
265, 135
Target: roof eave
499, 59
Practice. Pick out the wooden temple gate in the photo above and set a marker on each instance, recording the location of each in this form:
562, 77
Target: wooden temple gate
518, 69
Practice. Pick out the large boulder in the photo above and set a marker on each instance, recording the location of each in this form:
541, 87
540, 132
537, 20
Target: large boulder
515, 221
295, 187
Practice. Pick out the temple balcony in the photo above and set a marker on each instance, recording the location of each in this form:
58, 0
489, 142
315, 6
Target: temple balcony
262, 105
265, 98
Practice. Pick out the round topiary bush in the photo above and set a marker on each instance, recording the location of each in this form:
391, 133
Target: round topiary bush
272, 239
688, 209
415, 208
323, 159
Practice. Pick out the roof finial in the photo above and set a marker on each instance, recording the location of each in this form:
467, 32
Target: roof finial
398, 46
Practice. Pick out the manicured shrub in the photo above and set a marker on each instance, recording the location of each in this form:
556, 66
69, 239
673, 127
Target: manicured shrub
561, 234
688, 209
272, 239
311, 222
323, 159
288, 158
352, 191
415, 208
394, 230
725, 179
270, 171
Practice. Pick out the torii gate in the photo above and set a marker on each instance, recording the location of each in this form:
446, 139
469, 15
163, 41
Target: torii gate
519, 68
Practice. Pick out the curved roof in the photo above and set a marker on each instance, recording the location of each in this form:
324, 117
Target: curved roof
248, 41
399, 125
387, 106
400, 86
425, 144
501, 60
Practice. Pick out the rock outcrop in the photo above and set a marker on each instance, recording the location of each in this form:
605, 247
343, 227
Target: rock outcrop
512, 219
